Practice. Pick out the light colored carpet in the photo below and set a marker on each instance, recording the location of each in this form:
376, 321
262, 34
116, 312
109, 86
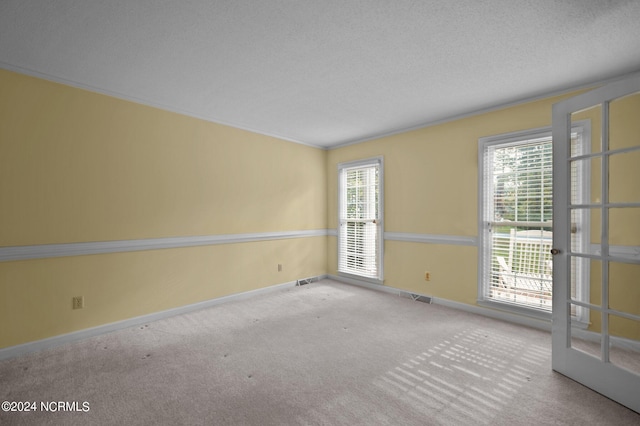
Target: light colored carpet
323, 354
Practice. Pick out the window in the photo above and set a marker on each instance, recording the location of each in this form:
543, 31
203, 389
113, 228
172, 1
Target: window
516, 228
360, 219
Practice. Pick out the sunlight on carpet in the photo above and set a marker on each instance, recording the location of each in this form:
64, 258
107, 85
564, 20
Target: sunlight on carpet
474, 375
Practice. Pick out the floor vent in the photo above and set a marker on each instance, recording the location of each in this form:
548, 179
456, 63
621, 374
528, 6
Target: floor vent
419, 298
305, 281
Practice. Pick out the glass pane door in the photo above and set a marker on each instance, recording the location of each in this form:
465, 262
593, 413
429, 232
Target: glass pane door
602, 352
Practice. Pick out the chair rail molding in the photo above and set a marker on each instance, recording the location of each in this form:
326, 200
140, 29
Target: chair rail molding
431, 238
43, 251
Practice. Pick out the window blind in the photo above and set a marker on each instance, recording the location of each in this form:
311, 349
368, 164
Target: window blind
359, 220
516, 228
519, 209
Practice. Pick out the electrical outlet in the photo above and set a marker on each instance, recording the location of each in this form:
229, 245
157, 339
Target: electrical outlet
279, 267
427, 276
78, 302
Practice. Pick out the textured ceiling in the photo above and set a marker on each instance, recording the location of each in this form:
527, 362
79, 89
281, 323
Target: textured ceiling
322, 72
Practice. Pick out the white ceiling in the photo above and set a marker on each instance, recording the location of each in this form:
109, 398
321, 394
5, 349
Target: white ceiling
322, 72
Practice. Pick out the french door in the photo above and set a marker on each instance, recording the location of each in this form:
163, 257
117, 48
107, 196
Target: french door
606, 355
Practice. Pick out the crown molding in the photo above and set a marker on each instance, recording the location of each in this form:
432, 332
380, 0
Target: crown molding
484, 110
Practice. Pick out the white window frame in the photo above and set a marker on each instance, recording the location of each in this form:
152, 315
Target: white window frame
583, 128
379, 221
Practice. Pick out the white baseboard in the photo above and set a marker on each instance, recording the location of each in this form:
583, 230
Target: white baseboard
501, 315
618, 342
528, 321
525, 320
369, 285
38, 345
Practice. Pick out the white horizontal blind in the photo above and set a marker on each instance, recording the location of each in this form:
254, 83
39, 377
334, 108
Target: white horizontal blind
516, 218
359, 237
518, 208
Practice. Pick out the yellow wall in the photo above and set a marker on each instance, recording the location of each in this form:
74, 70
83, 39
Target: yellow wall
77, 166
431, 187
